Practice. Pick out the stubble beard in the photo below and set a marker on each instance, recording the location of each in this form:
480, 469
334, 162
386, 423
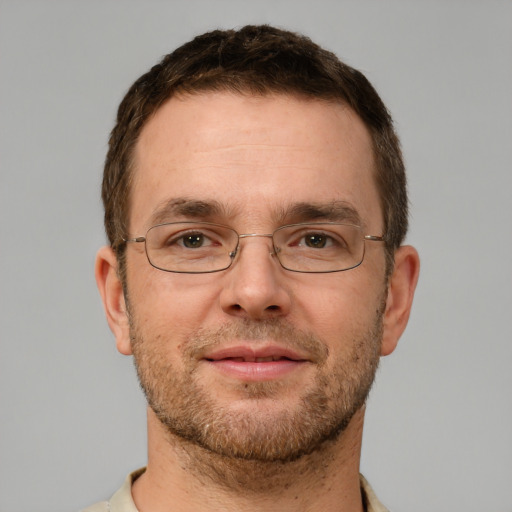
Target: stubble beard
191, 415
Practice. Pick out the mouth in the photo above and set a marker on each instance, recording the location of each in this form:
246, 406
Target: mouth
246, 363
249, 359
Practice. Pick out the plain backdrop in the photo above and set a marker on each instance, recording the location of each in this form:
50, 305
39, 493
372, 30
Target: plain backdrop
438, 434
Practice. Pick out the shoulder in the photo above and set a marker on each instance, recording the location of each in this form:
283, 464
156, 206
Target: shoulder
370, 500
122, 500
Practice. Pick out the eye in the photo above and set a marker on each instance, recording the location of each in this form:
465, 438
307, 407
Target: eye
186, 239
317, 240
197, 240
189, 240
194, 240
312, 238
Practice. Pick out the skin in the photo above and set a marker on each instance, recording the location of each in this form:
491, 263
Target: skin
255, 156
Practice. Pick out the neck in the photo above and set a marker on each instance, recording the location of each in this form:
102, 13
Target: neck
192, 478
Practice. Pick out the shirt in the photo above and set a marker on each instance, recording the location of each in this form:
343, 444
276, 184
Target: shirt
122, 500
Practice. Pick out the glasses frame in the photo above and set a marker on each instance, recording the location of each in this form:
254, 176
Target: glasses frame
276, 250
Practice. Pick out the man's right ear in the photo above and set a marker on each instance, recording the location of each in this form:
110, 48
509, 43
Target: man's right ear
111, 291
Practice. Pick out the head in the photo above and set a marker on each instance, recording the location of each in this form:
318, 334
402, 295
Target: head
255, 129
255, 60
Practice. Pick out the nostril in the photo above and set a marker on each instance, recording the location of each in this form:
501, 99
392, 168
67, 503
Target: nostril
273, 308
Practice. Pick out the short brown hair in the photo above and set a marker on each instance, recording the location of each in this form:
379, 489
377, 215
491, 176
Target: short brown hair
253, 60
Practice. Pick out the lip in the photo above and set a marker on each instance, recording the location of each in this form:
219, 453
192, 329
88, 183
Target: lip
250, 363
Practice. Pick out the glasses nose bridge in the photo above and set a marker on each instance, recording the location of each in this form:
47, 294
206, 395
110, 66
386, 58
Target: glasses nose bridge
255, 235
247, 235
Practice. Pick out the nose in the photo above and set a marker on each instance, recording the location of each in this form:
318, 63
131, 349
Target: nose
255, 283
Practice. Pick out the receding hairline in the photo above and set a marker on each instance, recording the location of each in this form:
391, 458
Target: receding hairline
183, 96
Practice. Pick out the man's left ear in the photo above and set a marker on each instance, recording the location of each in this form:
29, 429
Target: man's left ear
402, 284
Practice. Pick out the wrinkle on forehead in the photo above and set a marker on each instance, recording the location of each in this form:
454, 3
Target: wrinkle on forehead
259, 145
242, 115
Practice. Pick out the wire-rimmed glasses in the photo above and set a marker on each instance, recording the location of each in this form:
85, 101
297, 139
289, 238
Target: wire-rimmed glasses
203, 247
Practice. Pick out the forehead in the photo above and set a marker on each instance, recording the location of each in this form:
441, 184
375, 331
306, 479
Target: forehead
255, 156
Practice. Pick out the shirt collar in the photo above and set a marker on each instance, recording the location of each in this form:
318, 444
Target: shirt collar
122, 500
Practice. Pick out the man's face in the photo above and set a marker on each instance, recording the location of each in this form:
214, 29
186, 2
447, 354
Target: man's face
255, 361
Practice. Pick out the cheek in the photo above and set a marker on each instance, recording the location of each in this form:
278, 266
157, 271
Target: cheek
338, 306
168, 307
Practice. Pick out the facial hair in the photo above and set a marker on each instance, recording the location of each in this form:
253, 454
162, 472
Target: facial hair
189, 411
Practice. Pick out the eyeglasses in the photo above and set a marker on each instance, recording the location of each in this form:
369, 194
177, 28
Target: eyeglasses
202, 247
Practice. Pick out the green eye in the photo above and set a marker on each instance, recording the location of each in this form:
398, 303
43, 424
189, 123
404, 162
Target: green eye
193, 241
316, 241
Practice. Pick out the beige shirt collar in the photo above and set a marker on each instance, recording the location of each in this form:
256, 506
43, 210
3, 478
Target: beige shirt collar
122, 500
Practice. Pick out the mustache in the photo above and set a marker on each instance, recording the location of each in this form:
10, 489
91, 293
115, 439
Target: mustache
275, 330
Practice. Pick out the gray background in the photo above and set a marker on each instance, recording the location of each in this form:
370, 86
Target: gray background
438, 435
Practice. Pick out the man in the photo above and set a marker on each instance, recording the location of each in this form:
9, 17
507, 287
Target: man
255, 204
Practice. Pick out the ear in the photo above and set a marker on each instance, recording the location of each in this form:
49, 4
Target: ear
111, 291
402, 284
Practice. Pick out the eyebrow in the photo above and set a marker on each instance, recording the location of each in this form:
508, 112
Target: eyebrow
169, 210
182, 207
334, 211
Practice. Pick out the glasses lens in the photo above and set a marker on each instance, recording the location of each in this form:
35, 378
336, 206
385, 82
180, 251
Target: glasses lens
190, 247
323, 247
